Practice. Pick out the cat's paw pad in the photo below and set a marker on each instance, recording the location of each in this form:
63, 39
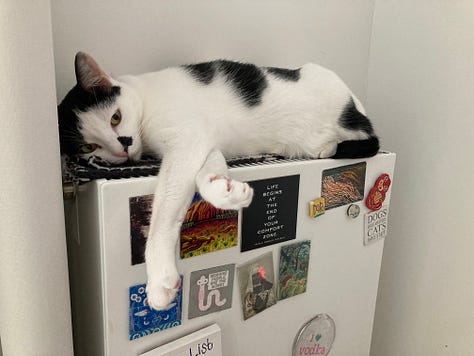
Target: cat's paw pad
162, 289
226, 193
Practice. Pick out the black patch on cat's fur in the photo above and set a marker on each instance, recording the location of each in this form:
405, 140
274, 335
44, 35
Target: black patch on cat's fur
202, 72
125, 141
292, 75
357, 149
248, 80
353, 119
79, 100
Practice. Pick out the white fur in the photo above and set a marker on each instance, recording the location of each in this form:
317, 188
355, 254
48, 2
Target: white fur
95, 127
193, 126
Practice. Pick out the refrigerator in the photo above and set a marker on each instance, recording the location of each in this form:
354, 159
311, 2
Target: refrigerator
295, 273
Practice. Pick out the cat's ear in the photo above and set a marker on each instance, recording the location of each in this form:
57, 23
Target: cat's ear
88, 73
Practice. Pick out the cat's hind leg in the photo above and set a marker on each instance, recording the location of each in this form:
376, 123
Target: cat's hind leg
217, 188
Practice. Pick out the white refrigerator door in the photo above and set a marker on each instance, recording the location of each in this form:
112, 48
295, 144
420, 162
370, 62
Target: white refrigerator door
342, 280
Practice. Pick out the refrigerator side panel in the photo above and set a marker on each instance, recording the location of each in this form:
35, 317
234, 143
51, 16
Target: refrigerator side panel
85, 265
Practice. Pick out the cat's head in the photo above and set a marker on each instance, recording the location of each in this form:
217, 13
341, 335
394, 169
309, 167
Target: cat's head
99, 116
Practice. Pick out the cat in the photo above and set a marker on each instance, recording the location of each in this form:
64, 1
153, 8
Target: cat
193, 116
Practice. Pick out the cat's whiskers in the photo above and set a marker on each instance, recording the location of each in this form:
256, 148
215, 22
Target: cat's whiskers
70, 134
140, 130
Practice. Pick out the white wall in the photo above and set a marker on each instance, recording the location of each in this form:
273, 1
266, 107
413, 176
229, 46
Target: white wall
34, 291
421, 94
140, 36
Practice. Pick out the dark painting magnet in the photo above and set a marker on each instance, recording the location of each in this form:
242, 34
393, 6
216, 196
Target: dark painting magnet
271, 218
343, 185
257, 285
293, 270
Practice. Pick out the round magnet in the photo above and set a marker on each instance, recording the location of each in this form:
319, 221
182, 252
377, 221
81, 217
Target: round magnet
375, 199
353, 211
376, 195
315, 337
383, 183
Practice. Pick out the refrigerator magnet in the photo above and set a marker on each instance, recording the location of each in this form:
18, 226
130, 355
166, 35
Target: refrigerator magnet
377, 194
353, 211
293, 270
317, 207
257, 285
205, 228
376, 223
144, 321
205, 341
343, 185
272, 215
210, 290
315, 337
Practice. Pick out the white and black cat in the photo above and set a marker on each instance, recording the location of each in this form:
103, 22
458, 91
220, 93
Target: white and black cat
193, 116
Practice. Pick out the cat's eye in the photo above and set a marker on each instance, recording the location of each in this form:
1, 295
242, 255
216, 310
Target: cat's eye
88, 148
116, 118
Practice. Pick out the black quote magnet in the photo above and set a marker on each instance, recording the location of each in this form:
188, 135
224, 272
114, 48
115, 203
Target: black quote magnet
271, 218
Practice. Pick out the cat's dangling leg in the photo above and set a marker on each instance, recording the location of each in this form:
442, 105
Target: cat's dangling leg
217, 188
179, 174
173, 195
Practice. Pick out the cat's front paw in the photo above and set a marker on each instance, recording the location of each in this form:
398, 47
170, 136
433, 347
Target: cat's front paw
162, 288
226, 193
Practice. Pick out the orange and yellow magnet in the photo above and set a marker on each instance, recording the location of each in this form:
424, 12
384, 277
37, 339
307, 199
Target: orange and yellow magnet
317, 207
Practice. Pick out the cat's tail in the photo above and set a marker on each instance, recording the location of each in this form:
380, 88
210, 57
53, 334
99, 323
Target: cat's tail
358, 148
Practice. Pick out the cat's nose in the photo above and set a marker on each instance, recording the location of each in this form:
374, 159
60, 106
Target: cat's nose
125, 141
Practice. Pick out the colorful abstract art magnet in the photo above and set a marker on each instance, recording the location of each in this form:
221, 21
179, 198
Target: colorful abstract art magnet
317, 207
376, 224
271, 217
144, 321
353, 211
315, 337
205, 228
210, 290
343, 185
293, 270
257, 285
377, 194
